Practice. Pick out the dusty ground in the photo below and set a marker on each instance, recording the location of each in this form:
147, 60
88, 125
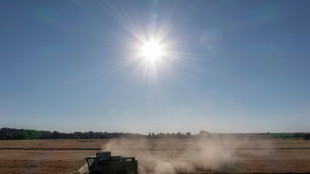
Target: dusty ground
66, 156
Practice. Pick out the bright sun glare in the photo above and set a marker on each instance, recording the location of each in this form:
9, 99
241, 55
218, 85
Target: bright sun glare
152, 50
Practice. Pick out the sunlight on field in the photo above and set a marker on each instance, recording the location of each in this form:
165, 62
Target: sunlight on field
159, 155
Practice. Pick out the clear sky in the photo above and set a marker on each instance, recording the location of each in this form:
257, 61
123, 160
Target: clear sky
224, 66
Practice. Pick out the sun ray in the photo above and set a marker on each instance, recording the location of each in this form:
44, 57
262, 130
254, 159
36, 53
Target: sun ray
152, 49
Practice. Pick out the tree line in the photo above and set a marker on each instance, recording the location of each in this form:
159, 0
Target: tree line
24, 134
20, 134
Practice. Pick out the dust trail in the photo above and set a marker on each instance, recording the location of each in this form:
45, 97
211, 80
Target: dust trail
82, 170
178, 155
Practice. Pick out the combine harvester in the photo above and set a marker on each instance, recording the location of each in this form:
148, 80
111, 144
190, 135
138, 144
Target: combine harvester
104, 163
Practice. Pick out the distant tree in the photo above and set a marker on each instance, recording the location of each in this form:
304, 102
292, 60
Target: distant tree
55, 135
22, 135
306, 136
203, 133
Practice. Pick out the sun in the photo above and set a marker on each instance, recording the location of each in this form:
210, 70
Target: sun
152, 50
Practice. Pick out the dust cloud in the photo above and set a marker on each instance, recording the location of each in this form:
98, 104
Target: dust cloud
158, 156
82, 170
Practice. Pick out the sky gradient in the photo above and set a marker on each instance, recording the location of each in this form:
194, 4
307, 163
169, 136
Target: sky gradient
231, 66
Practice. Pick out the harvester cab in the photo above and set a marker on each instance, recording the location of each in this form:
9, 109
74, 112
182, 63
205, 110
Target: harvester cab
104, 163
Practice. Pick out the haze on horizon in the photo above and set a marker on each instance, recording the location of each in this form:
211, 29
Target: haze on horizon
155, 66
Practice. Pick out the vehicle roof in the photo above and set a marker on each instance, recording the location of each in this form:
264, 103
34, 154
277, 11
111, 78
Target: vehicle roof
90, 157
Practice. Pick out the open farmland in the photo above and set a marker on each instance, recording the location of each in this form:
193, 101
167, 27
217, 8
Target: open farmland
164, 155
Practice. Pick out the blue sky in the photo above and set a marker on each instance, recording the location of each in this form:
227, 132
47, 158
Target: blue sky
230, 66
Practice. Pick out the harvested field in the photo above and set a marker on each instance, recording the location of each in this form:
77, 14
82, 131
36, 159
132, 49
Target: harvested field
239, 156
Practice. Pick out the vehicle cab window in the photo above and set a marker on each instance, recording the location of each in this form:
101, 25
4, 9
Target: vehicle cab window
91, 162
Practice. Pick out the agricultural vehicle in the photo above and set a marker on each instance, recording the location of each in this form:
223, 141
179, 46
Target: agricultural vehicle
104, 163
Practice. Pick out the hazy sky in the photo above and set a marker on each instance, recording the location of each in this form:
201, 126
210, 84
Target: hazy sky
229, 66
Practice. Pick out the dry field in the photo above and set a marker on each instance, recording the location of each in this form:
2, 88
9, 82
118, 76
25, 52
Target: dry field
160, 156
